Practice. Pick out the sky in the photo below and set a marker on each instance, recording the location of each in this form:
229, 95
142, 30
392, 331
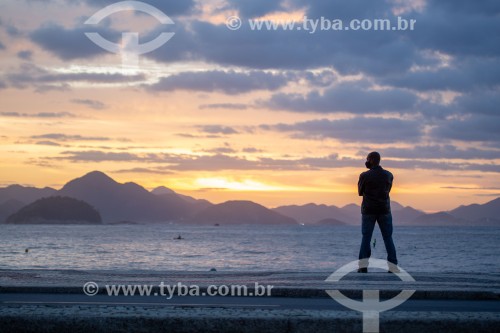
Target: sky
224, 112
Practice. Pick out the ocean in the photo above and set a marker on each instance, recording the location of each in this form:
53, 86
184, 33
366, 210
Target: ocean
240, 248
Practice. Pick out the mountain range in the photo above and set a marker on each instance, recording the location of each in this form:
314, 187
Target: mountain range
349, 214
125, 202
487, 214
130, 202
240, 212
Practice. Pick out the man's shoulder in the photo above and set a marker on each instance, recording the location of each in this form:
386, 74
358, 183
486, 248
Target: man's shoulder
364, 173
388, 173
375, 172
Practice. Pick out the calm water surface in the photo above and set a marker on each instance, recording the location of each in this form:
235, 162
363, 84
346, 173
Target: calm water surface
240, 248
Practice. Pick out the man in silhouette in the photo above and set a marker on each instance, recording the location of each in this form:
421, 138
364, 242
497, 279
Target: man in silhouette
374, 186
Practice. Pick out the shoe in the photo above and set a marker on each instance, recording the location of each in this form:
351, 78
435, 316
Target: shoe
363, 270
395, 269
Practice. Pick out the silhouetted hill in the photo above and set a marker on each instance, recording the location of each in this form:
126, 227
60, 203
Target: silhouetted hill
487, 214
349, 214
396, 205
353, 211
56, 210
406, 215
312, 213
240, 212
439, 219
124, 202
477, 212
161, 190
330, 223
24, 194
195, 204
9, 207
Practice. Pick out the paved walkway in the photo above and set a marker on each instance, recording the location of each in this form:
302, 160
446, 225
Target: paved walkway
440, 304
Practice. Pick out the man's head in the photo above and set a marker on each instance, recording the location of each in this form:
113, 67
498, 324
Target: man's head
372, 160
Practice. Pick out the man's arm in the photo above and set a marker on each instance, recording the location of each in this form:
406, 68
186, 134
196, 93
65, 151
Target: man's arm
361, 185
391, 180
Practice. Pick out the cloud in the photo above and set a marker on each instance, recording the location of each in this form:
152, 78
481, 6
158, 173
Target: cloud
217, 129
369, 52
192, 136
449, 50
495, 195
65, 137
215, 162
469, 188
439, 152
220, 150
13, 31
460, 75
252, 150
156, 171
254, 8
2, 46
169, 7
71, 44
483, 102
458, 28
29, 75
475, 128
452, 51
448, 166
48, 143
93, 104
344, 9
98, 156
359, 129
25, 55
37, 115
228, 82
353, 98
228, 106
221, 162
442, 29
322, 79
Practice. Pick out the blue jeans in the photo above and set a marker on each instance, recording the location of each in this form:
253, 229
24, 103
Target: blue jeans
385, 225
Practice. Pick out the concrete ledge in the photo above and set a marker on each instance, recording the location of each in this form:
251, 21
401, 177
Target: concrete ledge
96, 319
459, 286
295, 292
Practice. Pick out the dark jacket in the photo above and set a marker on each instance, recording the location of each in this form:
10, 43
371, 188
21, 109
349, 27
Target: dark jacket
374, 186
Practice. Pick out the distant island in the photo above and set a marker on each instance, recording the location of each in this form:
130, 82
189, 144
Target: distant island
330, 222
56, 210
97, 198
